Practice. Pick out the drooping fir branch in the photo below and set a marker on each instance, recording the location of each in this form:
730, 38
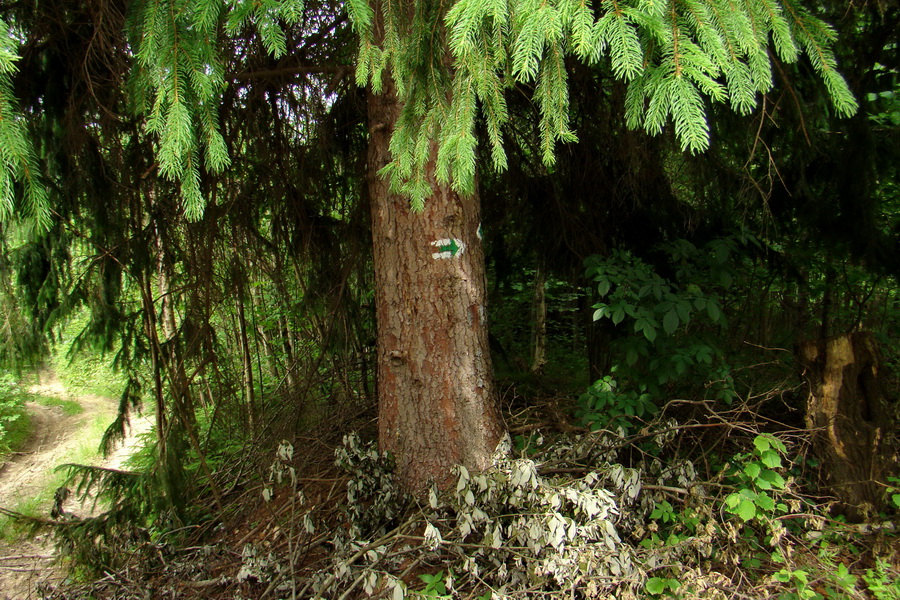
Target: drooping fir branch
674, 55
179, 77
18, 162
176, 83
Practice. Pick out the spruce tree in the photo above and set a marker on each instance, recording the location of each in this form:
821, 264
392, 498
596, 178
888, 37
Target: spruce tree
434, 71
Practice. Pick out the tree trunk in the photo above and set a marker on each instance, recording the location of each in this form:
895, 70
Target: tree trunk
539, 319
155, 362
246, 362
262, 336
437, 406
847, 409
287, 345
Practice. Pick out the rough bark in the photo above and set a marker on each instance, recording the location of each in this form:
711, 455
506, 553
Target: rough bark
847, 409
436, 396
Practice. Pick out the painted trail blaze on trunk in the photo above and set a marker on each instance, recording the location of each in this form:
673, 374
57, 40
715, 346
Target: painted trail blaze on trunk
437, 406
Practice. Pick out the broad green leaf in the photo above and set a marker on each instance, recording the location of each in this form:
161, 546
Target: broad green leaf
684, 310
603, 287
732, 500
778, 445
655, 585
747, 493
670, 321
762, 442
783, 576
776, 480
752, 470
770, 458
631, 356
765, 502
649, 406
746, 510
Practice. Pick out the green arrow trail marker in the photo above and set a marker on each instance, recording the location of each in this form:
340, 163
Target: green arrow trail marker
447, 248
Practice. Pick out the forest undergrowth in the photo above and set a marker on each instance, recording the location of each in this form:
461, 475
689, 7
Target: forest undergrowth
702, 501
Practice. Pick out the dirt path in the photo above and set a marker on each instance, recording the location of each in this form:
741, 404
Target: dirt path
56, 438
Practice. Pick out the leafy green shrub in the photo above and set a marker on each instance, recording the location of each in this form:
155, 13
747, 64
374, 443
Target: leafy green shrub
435, 587
757, 477
662, 587
894, 492
670, 526
670, 329
799, 580
604, 406
882, 582
81, 368
13, 419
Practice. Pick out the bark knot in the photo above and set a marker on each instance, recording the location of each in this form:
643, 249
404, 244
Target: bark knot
397, 358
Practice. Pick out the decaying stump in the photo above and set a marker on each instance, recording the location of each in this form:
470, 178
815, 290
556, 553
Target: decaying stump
849, 413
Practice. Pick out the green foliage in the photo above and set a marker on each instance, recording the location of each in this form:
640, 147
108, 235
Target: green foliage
177, 84
894, 492
83, 370
671, 526
671, 56
799, 580
13, 419
662, 587
887, 111
882, 581
133, 504
632, 289
757, 478
815, 581
639, 293
843, 582
179, 78
603, 406
68, 406
267, 17
435, 587
18, 161
668, 328
130, 401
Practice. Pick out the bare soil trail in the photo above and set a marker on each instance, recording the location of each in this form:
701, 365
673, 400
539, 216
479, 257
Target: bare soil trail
56, 437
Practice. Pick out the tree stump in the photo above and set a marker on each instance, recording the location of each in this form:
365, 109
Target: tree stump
850, 418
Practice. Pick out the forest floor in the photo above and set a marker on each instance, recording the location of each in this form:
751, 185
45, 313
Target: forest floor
27, 479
